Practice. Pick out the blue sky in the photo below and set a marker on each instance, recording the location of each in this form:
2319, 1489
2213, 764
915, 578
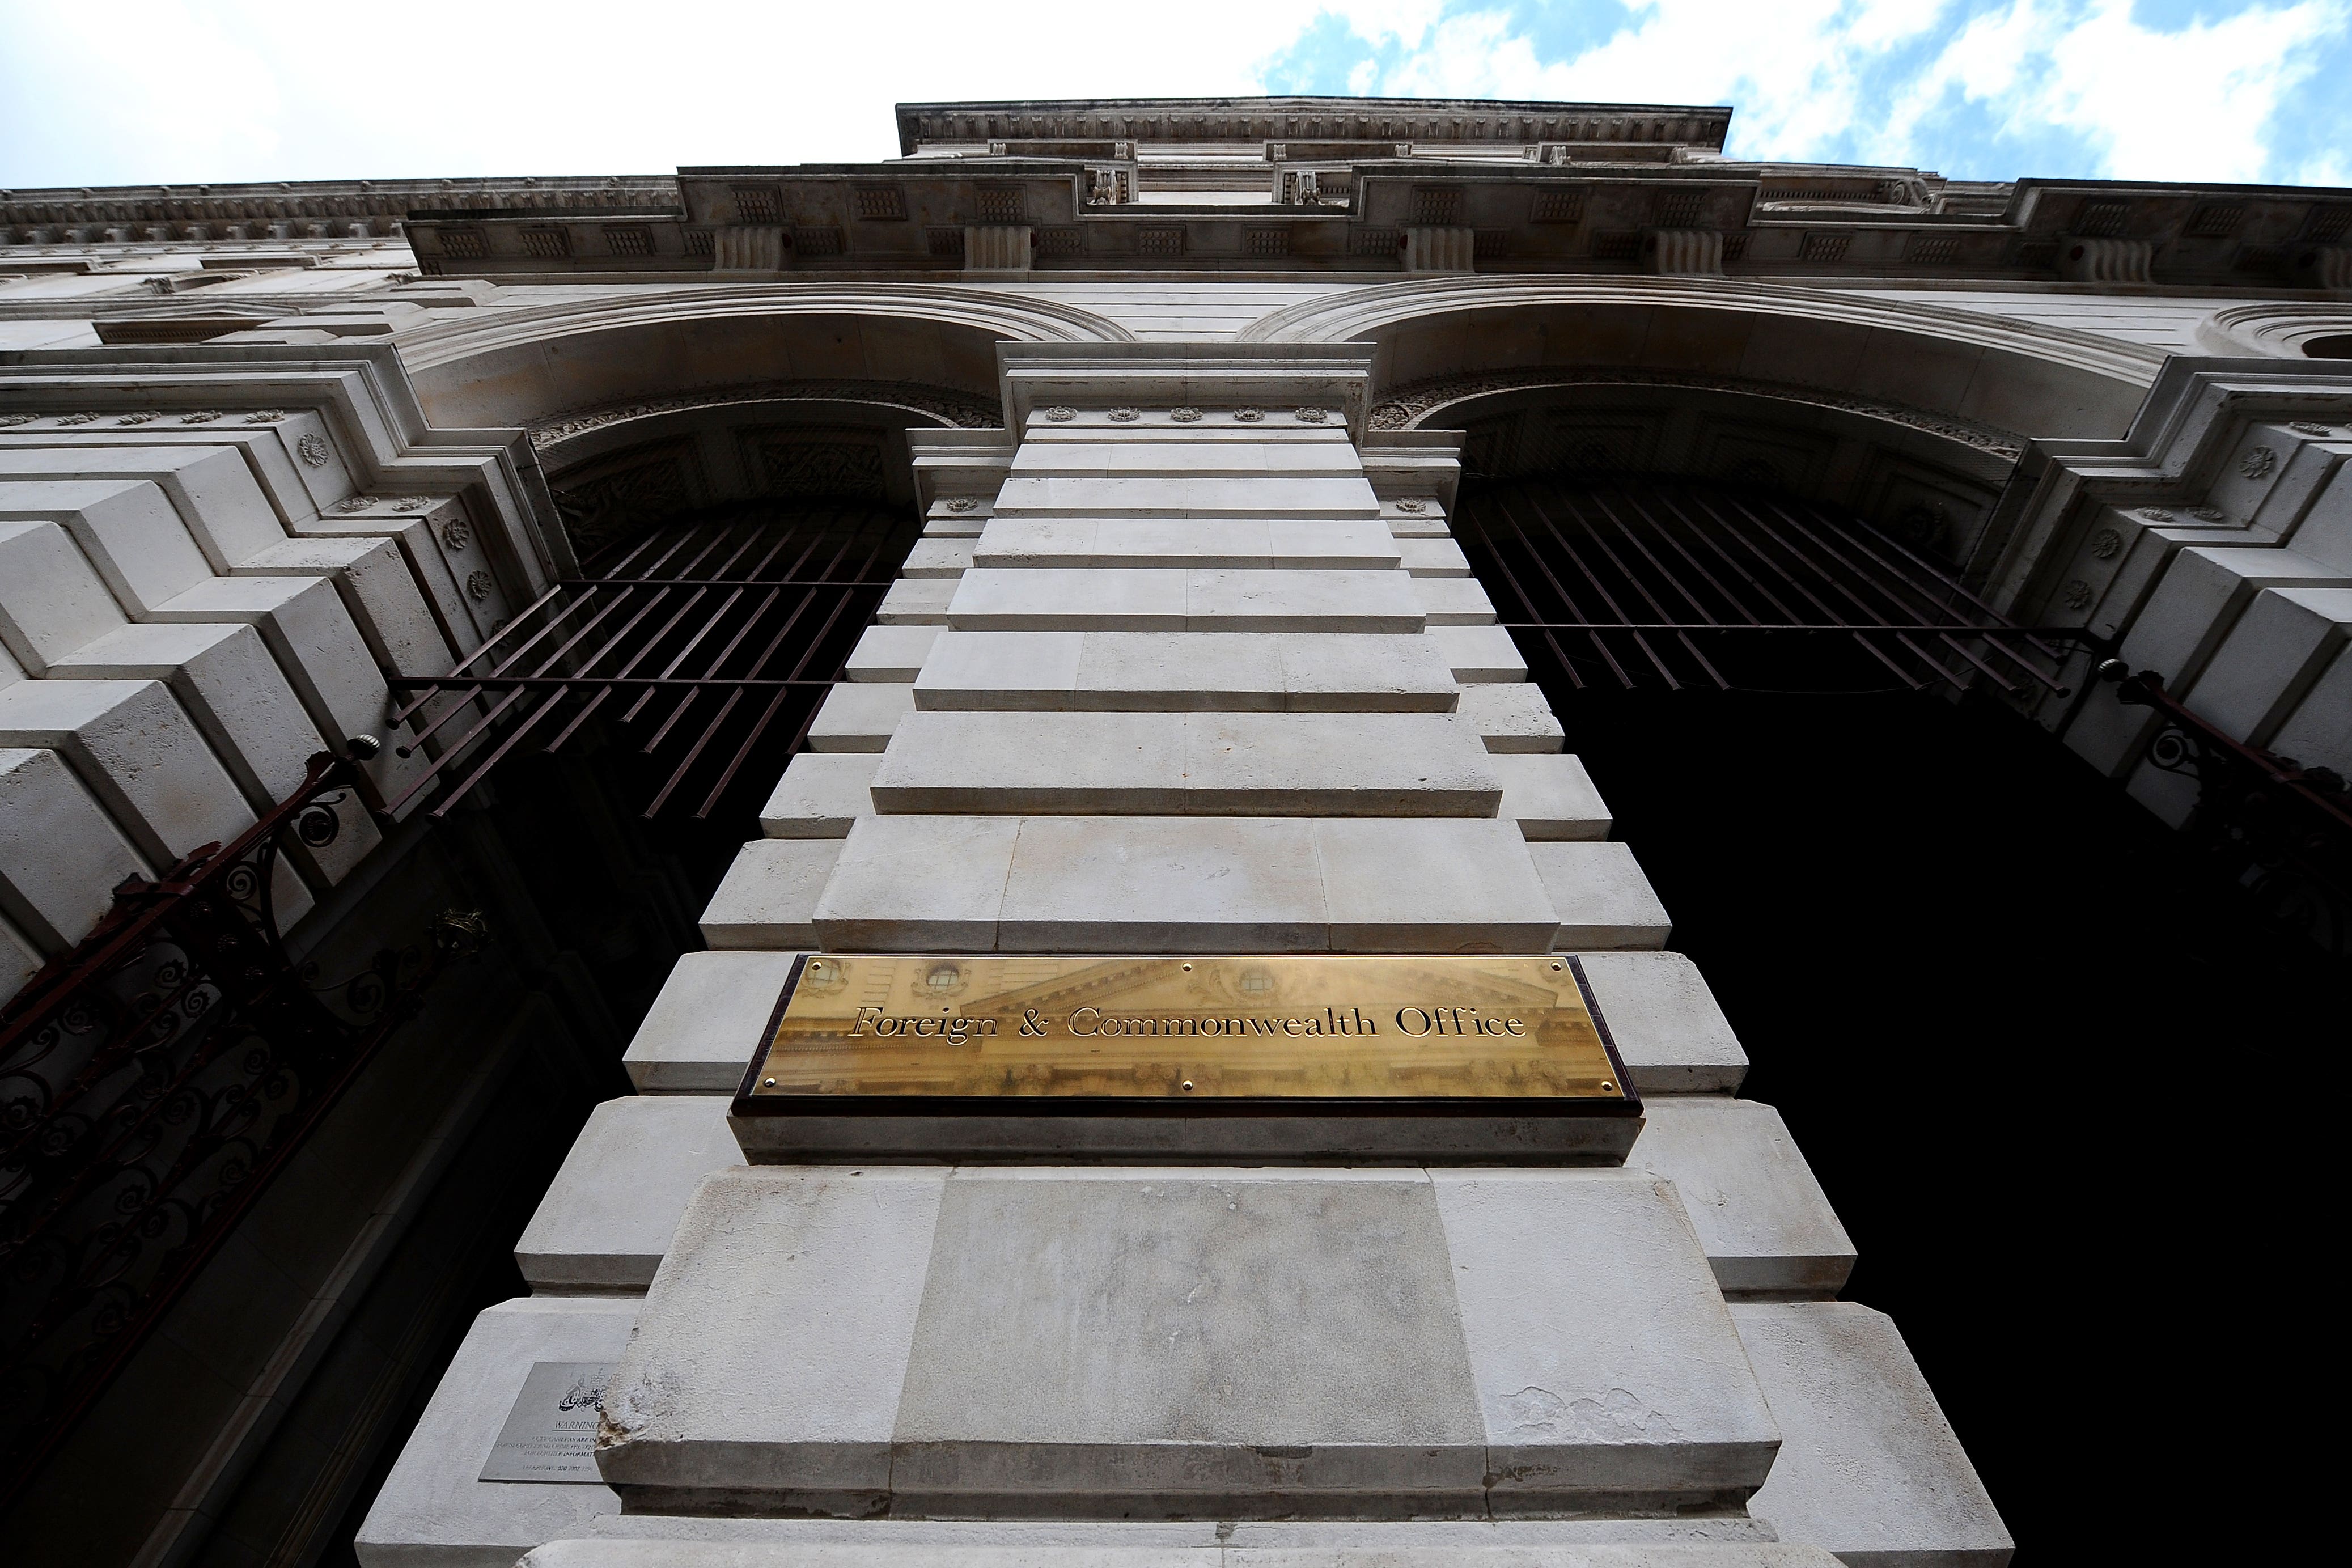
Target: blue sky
185, 92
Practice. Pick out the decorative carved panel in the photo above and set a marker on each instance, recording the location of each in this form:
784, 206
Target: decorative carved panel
610, 496
841, 463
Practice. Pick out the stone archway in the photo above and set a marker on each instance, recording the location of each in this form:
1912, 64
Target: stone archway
2029, 380
524, 367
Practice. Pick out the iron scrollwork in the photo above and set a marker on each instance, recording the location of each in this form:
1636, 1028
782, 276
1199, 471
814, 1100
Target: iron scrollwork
154, 1081
2276, 829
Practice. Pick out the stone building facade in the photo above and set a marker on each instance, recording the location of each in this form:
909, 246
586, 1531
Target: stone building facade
1186, 405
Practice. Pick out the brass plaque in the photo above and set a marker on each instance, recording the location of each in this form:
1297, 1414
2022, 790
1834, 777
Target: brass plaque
1213, 1032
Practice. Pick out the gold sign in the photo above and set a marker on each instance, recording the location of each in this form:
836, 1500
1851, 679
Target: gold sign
1209, 1031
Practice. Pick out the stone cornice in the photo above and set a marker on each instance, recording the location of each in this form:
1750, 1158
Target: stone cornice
267, 201
1386, 214
1447, 119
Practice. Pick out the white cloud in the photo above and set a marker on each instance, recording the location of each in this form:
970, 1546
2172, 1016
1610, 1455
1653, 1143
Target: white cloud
185, 90
2195, 104
157, 89
1793, 69
1813, 77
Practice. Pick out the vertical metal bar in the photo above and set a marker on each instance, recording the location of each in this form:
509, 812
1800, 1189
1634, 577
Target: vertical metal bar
1577, 560
1822, 606
841, 603
513, 737
1955, 586
1575, 611
1944, 638
1635, 578
1635, 502
1494, 553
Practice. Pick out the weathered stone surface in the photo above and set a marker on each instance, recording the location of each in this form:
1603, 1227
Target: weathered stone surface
890, 653
1147, 600
433, 1511
1478, 654
51, 602
1454, 601
20, 959
1191, 496
1550, 796
813, 1275
310, 633
226, 680
211, 492
1428, 523
1128, 884
1665, 1023
127, 530
137, 753
2287, 637
712, 1014
821, 793
1172, 671
859, 716
1603, 899
1189, 764
607, 1218
1094, 1372
1512, 716
387, 598
1869, 1469
1434, 558
1259, 542
1148, 454
1431, 886
1128, 1343
916, 601
59, 855
638, 1541
1766, 1224
769, 896
936, 558
911, 883
1604, 1357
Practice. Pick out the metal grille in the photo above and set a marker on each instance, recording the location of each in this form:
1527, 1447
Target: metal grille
153, 1082
1643, 585
701, 646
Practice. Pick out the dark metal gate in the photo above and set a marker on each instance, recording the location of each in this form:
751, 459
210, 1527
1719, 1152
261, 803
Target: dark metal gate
1633, 586
703, 645
153, 1081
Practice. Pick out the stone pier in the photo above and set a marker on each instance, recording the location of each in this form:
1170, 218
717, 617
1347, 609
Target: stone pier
1179, 678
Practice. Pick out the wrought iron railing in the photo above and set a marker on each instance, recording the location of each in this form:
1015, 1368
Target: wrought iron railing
1622, 586
701, 644
2277, 831
152, 1082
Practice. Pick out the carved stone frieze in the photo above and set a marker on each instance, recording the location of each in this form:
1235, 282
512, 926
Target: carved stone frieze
830, 462
944, 405
1407, 406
